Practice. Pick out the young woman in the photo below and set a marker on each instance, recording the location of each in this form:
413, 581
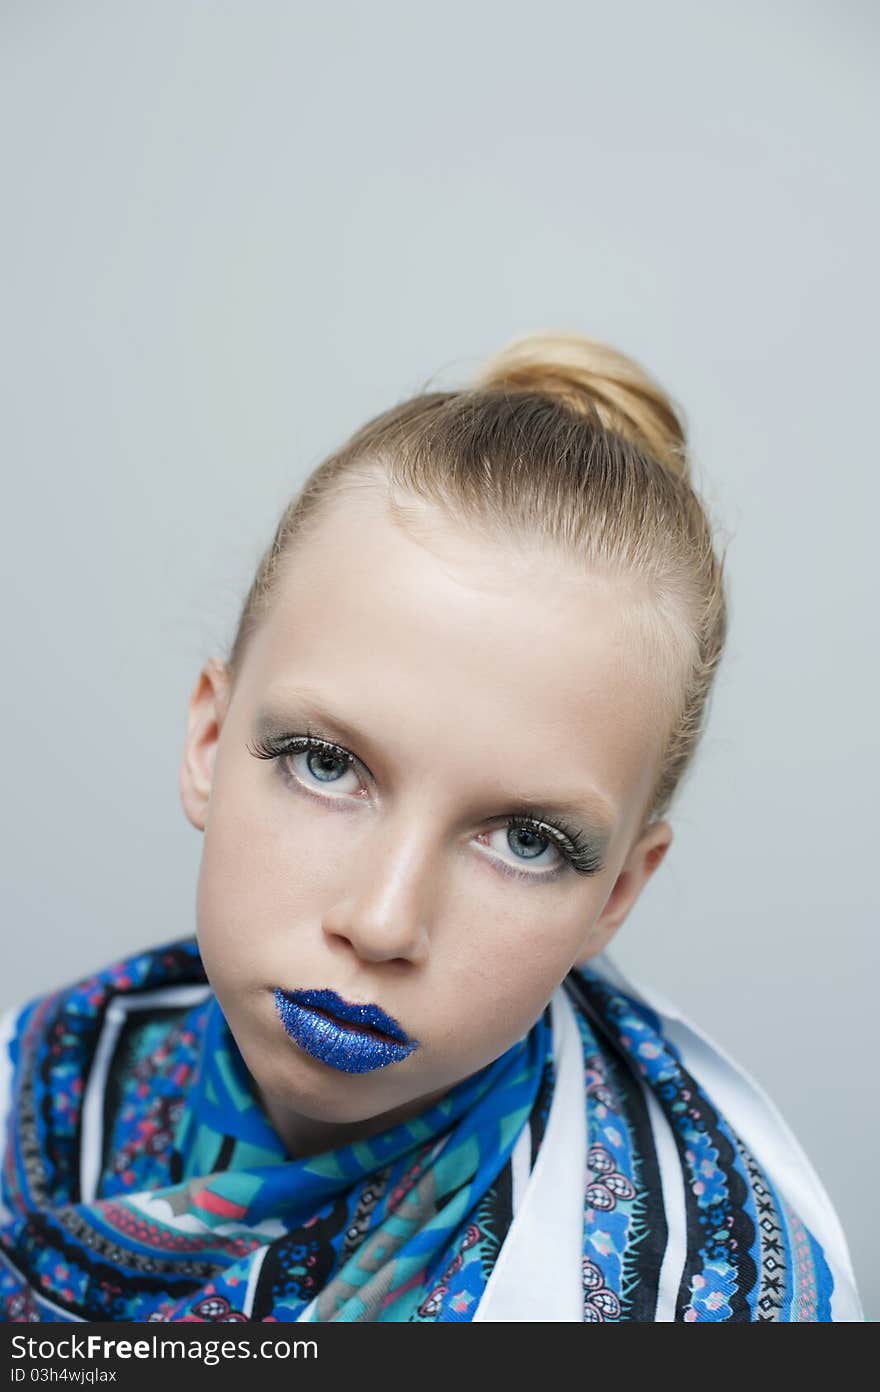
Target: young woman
394, 1075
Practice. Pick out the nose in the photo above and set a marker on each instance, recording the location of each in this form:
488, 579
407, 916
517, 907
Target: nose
384, 911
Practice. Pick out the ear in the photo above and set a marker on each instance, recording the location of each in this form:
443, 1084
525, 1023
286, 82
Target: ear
207, 711
640, 864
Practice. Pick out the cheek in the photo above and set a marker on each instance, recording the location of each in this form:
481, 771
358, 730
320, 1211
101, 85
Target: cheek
505, 970
232, 873
261, 859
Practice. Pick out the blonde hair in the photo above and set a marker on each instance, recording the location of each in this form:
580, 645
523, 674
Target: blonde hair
560, 440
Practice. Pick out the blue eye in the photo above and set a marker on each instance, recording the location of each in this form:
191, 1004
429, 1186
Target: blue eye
324, 764
526, 844
525, 840
521, 830
528, 837
320, 761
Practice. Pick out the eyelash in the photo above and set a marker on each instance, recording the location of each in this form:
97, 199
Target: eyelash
570, 842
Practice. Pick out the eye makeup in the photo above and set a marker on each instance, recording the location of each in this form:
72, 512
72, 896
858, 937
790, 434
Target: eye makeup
580, 851
571, 842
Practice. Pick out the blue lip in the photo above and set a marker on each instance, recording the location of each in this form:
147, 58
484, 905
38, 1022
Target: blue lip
357, 1014
349, 1050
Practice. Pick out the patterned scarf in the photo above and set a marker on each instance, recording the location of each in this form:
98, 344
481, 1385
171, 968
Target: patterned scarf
142, 1179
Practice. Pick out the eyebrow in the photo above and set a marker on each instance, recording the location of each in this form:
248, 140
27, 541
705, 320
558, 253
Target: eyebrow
594, 812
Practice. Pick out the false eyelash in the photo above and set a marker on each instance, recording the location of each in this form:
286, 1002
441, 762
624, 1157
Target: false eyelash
583, 857
296, 744
580, 855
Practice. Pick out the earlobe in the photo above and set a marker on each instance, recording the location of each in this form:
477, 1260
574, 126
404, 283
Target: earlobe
207, 711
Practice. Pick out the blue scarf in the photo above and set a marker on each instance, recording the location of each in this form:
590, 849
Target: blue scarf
143, 1181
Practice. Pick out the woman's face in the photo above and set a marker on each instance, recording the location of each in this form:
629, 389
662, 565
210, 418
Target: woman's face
447, 684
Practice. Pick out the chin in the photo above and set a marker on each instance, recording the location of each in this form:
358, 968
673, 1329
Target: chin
295, 1079
319, 1093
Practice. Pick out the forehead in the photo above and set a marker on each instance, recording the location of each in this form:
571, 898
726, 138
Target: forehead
464, 647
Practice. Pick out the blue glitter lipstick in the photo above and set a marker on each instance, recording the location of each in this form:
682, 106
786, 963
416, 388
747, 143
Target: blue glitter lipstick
352, 1038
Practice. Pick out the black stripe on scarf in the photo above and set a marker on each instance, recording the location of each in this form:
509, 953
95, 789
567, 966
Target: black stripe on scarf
742, 1230
641, 1275
109, 1267
700, 1225
643, 1260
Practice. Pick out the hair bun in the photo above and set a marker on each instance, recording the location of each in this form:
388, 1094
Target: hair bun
593, 379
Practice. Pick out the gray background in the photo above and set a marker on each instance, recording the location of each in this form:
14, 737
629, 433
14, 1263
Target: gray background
231, 231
